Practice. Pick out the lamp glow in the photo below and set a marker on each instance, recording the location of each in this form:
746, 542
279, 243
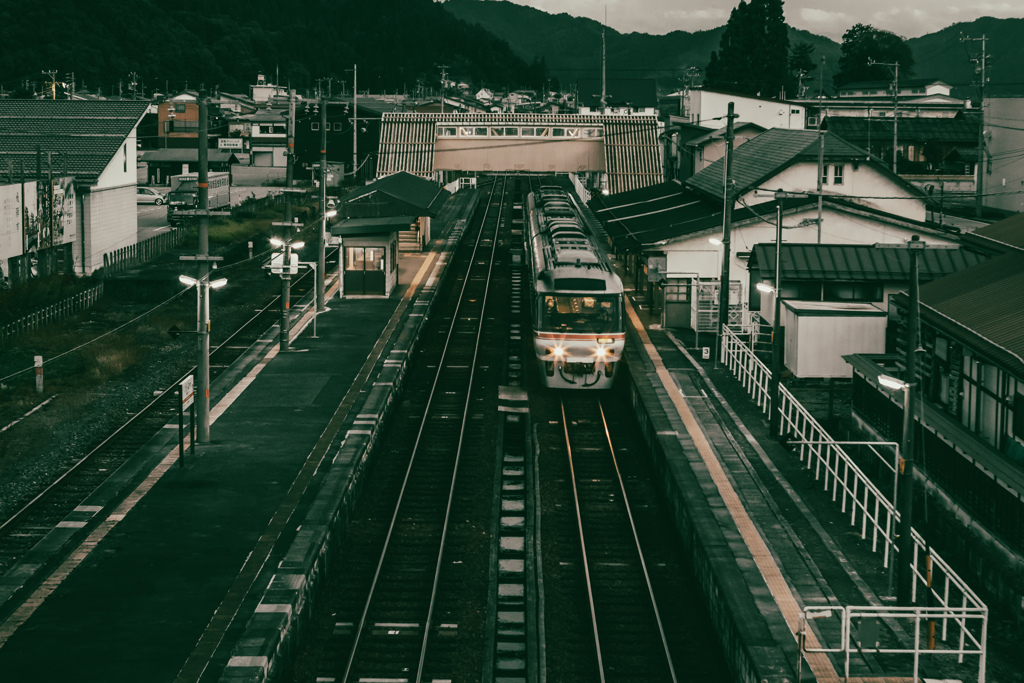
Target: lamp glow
217, 284
331, 214
186, 280
715, 241
277, 242
298, 245
765, 287
558, 351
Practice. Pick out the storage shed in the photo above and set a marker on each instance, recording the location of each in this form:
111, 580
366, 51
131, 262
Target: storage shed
819, 334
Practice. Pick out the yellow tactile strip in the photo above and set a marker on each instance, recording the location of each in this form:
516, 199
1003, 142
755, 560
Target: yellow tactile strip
819, 663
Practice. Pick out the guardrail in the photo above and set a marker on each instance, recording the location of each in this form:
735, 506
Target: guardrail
859, 634
851, 488
57, 311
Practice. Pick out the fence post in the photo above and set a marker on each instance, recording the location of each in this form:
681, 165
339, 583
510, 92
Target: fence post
39, 374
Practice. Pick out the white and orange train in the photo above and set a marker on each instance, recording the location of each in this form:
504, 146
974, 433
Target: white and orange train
576, 297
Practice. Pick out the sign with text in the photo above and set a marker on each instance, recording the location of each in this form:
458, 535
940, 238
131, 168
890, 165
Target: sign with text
188, 391
229, 143
277, 267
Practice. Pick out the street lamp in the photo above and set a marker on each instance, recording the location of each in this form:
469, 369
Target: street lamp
905, 503
286, 283
203, 330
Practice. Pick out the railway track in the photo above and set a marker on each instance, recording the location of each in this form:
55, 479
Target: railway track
62, 503
397, 604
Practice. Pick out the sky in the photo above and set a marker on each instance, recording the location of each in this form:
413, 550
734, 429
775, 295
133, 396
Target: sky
830, 18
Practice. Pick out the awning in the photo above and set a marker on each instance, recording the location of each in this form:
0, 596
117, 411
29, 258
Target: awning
367, 227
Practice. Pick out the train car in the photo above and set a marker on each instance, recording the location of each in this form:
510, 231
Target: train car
576, 297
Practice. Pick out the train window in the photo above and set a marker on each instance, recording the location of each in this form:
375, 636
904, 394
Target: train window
584, 314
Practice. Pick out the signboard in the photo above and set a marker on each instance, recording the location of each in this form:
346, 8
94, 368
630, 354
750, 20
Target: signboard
277, 261
229, 143
188, 391
657, 266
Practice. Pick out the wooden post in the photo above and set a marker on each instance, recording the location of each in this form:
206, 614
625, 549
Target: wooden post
39, 374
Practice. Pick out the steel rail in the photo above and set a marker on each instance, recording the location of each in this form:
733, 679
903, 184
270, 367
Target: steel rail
636, 539
361, 626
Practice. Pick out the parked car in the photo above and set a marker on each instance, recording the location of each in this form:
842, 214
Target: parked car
148, 195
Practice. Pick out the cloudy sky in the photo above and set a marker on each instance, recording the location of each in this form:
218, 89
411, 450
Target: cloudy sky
832, 18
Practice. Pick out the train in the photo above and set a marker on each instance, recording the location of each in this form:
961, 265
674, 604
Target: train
576, 298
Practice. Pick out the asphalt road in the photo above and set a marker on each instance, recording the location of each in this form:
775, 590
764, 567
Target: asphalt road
153, 219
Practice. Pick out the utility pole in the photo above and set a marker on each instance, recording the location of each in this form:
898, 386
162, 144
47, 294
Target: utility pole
821, 174
895, 66
604, 59
979, 183
723, 290
355, 120
444, 83
321, 272
51, 85
203, 411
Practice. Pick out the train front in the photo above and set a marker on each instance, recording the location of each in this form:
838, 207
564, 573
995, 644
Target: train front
579, 338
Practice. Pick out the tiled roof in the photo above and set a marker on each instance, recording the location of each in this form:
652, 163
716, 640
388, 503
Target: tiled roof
857, 262
985, 303
407, 188
766, 155
87, 133
962, 130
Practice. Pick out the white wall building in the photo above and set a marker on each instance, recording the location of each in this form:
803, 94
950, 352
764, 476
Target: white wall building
709, 108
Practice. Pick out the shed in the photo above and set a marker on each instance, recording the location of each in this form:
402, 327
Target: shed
370, 246
398, 196
164, 163
819, 334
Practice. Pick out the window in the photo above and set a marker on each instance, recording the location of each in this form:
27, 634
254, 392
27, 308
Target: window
812, 121
447, 131
837, 174
824, 175
315, 125
338, 125
558, 132
179, 106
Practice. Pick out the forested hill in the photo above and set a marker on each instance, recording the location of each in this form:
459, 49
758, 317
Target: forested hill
571, 47
228, 42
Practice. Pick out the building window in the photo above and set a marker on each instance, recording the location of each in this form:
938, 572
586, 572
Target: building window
315, 125
837, 174
812, 121
824, 175
447, 132
338, 125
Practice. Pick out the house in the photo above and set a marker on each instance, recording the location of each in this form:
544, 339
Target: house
664, 230
709, 108
268, 137
971, 415
93, 142
484, 95
263, 91
706, 149
1003, 179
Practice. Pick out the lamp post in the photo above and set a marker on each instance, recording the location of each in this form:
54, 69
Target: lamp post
286, 284
775, 413
203, 286
321, 272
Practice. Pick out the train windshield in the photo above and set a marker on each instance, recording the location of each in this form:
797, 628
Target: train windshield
590, 313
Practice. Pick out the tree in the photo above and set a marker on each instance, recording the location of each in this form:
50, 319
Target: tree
863, 44
752, 57
801, 64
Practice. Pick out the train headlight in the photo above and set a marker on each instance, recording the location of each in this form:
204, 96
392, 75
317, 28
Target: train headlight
605, 340
601, 352
558, 351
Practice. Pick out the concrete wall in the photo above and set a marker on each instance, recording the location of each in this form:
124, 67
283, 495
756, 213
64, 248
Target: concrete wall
110, 222
1004, 186
706, 104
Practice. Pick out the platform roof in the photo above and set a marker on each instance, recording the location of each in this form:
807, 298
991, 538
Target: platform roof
364, 227
402, 191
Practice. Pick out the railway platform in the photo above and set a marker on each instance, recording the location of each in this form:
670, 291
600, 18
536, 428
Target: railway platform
170, 560
769, 540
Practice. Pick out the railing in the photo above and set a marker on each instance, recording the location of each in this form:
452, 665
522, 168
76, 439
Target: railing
56, 311
122, 259
584, 193
858, 633
854, 491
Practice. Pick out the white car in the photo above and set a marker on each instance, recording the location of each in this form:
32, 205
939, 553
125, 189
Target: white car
147, 195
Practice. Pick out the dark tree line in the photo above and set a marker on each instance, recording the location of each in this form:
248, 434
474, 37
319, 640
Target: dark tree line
226, 44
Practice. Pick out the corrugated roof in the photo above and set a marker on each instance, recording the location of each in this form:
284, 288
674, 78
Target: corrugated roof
987, 302
1008, 231
766, 155
88, 133
632, 152
645, 216
857, 262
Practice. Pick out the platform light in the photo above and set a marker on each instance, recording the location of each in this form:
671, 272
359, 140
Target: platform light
715, 241
217, 284
186, 280
765, 287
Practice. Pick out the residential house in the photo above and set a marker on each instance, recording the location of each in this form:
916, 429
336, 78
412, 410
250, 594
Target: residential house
970, 421
709, 108
264, 91
1003, 181
664, 230
706, 149
94, 142
268, 137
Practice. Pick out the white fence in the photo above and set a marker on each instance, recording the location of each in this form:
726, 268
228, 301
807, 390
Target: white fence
868, 507
57, 311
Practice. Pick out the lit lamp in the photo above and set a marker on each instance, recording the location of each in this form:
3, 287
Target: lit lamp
203, 369
286, 284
